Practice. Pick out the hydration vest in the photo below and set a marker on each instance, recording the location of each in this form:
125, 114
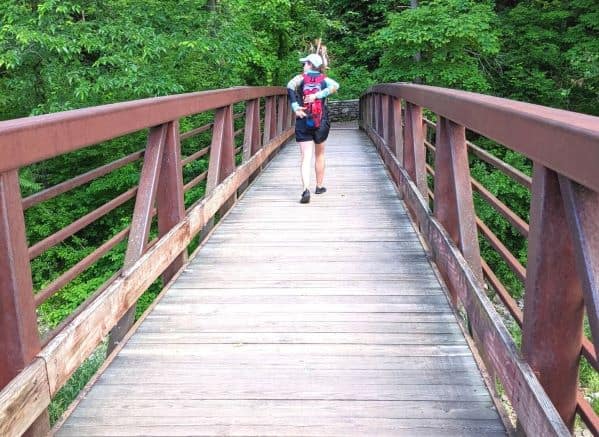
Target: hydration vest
314, 110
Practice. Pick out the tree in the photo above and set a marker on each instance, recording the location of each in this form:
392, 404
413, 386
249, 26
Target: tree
550, 54
453, 37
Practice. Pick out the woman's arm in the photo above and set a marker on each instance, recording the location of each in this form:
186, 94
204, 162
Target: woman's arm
292, 87
331, 87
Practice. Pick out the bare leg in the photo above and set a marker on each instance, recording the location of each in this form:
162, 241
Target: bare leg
307, 149
320, 164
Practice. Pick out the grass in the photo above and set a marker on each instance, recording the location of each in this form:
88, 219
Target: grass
67, 394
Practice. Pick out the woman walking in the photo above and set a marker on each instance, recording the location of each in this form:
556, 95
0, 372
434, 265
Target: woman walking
307, 94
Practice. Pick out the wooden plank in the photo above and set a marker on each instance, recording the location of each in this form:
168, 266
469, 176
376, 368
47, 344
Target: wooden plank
367, 376
328, 317
214, 380
301, 253
293, 409
408, 282
200, 309
24, 399
289, 390
306, 419
166, 323
273, 363
282, 277
344, 429
280, 299
298, 338
409, 263
304, 319
294, 350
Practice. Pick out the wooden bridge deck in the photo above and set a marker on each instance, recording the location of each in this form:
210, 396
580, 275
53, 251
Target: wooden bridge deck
319, 319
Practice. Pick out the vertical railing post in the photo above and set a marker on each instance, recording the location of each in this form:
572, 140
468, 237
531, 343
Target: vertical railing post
269, 120
19, 338
385, 129
373, 112
553, 301
379, 115
170, 204
142, 219
222, 148
414, 152
252, 140
364, 111
290, 115
397, 143
369, 117
251, 134
453, 203
222, 160
281, 108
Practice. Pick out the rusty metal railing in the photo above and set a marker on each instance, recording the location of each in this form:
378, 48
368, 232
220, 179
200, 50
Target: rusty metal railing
562, 275
32, 370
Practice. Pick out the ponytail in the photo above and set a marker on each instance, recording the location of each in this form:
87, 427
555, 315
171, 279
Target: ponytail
320, 49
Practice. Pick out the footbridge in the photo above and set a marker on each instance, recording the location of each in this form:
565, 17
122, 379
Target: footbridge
368, 311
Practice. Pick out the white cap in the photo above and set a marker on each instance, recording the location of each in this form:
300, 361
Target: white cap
313, 59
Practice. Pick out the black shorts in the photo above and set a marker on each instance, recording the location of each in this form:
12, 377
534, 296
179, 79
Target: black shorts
305, 133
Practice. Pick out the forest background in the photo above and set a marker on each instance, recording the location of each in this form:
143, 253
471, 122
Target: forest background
60, 55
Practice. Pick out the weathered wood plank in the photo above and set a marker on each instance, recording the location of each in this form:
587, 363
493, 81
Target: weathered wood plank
119, 375
201, 309
297, 338
339, 283
391, 290
307, 421
24, 399
156, 324
292, 351
288, 390
290, 409
273, 362
327, 428
284, 299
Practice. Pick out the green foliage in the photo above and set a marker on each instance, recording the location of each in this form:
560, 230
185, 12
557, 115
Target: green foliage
550, 54
452, 38
58, 55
